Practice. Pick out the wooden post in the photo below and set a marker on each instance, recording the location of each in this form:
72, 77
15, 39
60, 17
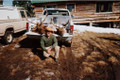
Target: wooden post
90, 24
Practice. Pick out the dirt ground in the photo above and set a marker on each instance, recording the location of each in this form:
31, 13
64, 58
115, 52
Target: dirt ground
92, 56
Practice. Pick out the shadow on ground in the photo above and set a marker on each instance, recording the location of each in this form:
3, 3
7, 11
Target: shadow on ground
30, 43
39, 53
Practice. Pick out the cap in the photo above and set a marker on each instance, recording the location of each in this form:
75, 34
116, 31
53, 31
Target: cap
48, 29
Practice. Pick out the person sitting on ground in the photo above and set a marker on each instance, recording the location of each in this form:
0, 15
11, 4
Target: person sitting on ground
48, 43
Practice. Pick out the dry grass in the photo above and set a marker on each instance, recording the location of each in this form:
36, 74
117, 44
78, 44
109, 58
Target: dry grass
113, 60
93, 56
102, 63
87, 70
101, 54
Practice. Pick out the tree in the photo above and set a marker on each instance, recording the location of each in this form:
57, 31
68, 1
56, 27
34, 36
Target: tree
26, 4
1, 2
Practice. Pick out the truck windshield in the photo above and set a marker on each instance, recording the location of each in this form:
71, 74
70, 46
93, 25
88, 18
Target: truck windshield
56, 12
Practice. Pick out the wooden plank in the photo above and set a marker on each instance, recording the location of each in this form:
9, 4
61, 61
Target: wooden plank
93, 16
40, 9
78, 22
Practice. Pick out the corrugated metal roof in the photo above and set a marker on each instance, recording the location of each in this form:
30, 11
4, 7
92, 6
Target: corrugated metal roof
45, 1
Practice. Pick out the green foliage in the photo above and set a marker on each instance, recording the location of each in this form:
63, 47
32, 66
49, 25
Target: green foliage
26, 4
1, 2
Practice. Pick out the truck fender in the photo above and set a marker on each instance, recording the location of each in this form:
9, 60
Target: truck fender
8, 28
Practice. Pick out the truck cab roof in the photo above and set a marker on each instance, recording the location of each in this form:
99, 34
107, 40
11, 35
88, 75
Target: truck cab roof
10, 7
56, 9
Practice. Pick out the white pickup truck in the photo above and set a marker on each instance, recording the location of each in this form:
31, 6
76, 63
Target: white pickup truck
12, 20
59, 17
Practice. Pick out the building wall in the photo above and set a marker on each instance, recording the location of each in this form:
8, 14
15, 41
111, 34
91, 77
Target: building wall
80, 7
116, 7
85, 12
85, 8
61, 5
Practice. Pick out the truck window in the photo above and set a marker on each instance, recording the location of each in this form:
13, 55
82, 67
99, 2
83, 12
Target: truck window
22, 14
56, 12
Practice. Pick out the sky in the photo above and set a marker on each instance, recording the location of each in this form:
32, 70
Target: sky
7, 2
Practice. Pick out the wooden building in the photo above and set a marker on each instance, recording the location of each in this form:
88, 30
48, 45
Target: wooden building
88, 12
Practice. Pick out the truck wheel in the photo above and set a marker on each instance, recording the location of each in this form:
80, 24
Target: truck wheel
8, 37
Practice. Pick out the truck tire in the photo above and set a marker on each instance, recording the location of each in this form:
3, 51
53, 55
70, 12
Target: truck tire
8, 37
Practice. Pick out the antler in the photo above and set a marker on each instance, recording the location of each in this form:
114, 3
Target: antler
44, 19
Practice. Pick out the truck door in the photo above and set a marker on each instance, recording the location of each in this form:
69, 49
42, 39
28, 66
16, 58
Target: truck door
23, 17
